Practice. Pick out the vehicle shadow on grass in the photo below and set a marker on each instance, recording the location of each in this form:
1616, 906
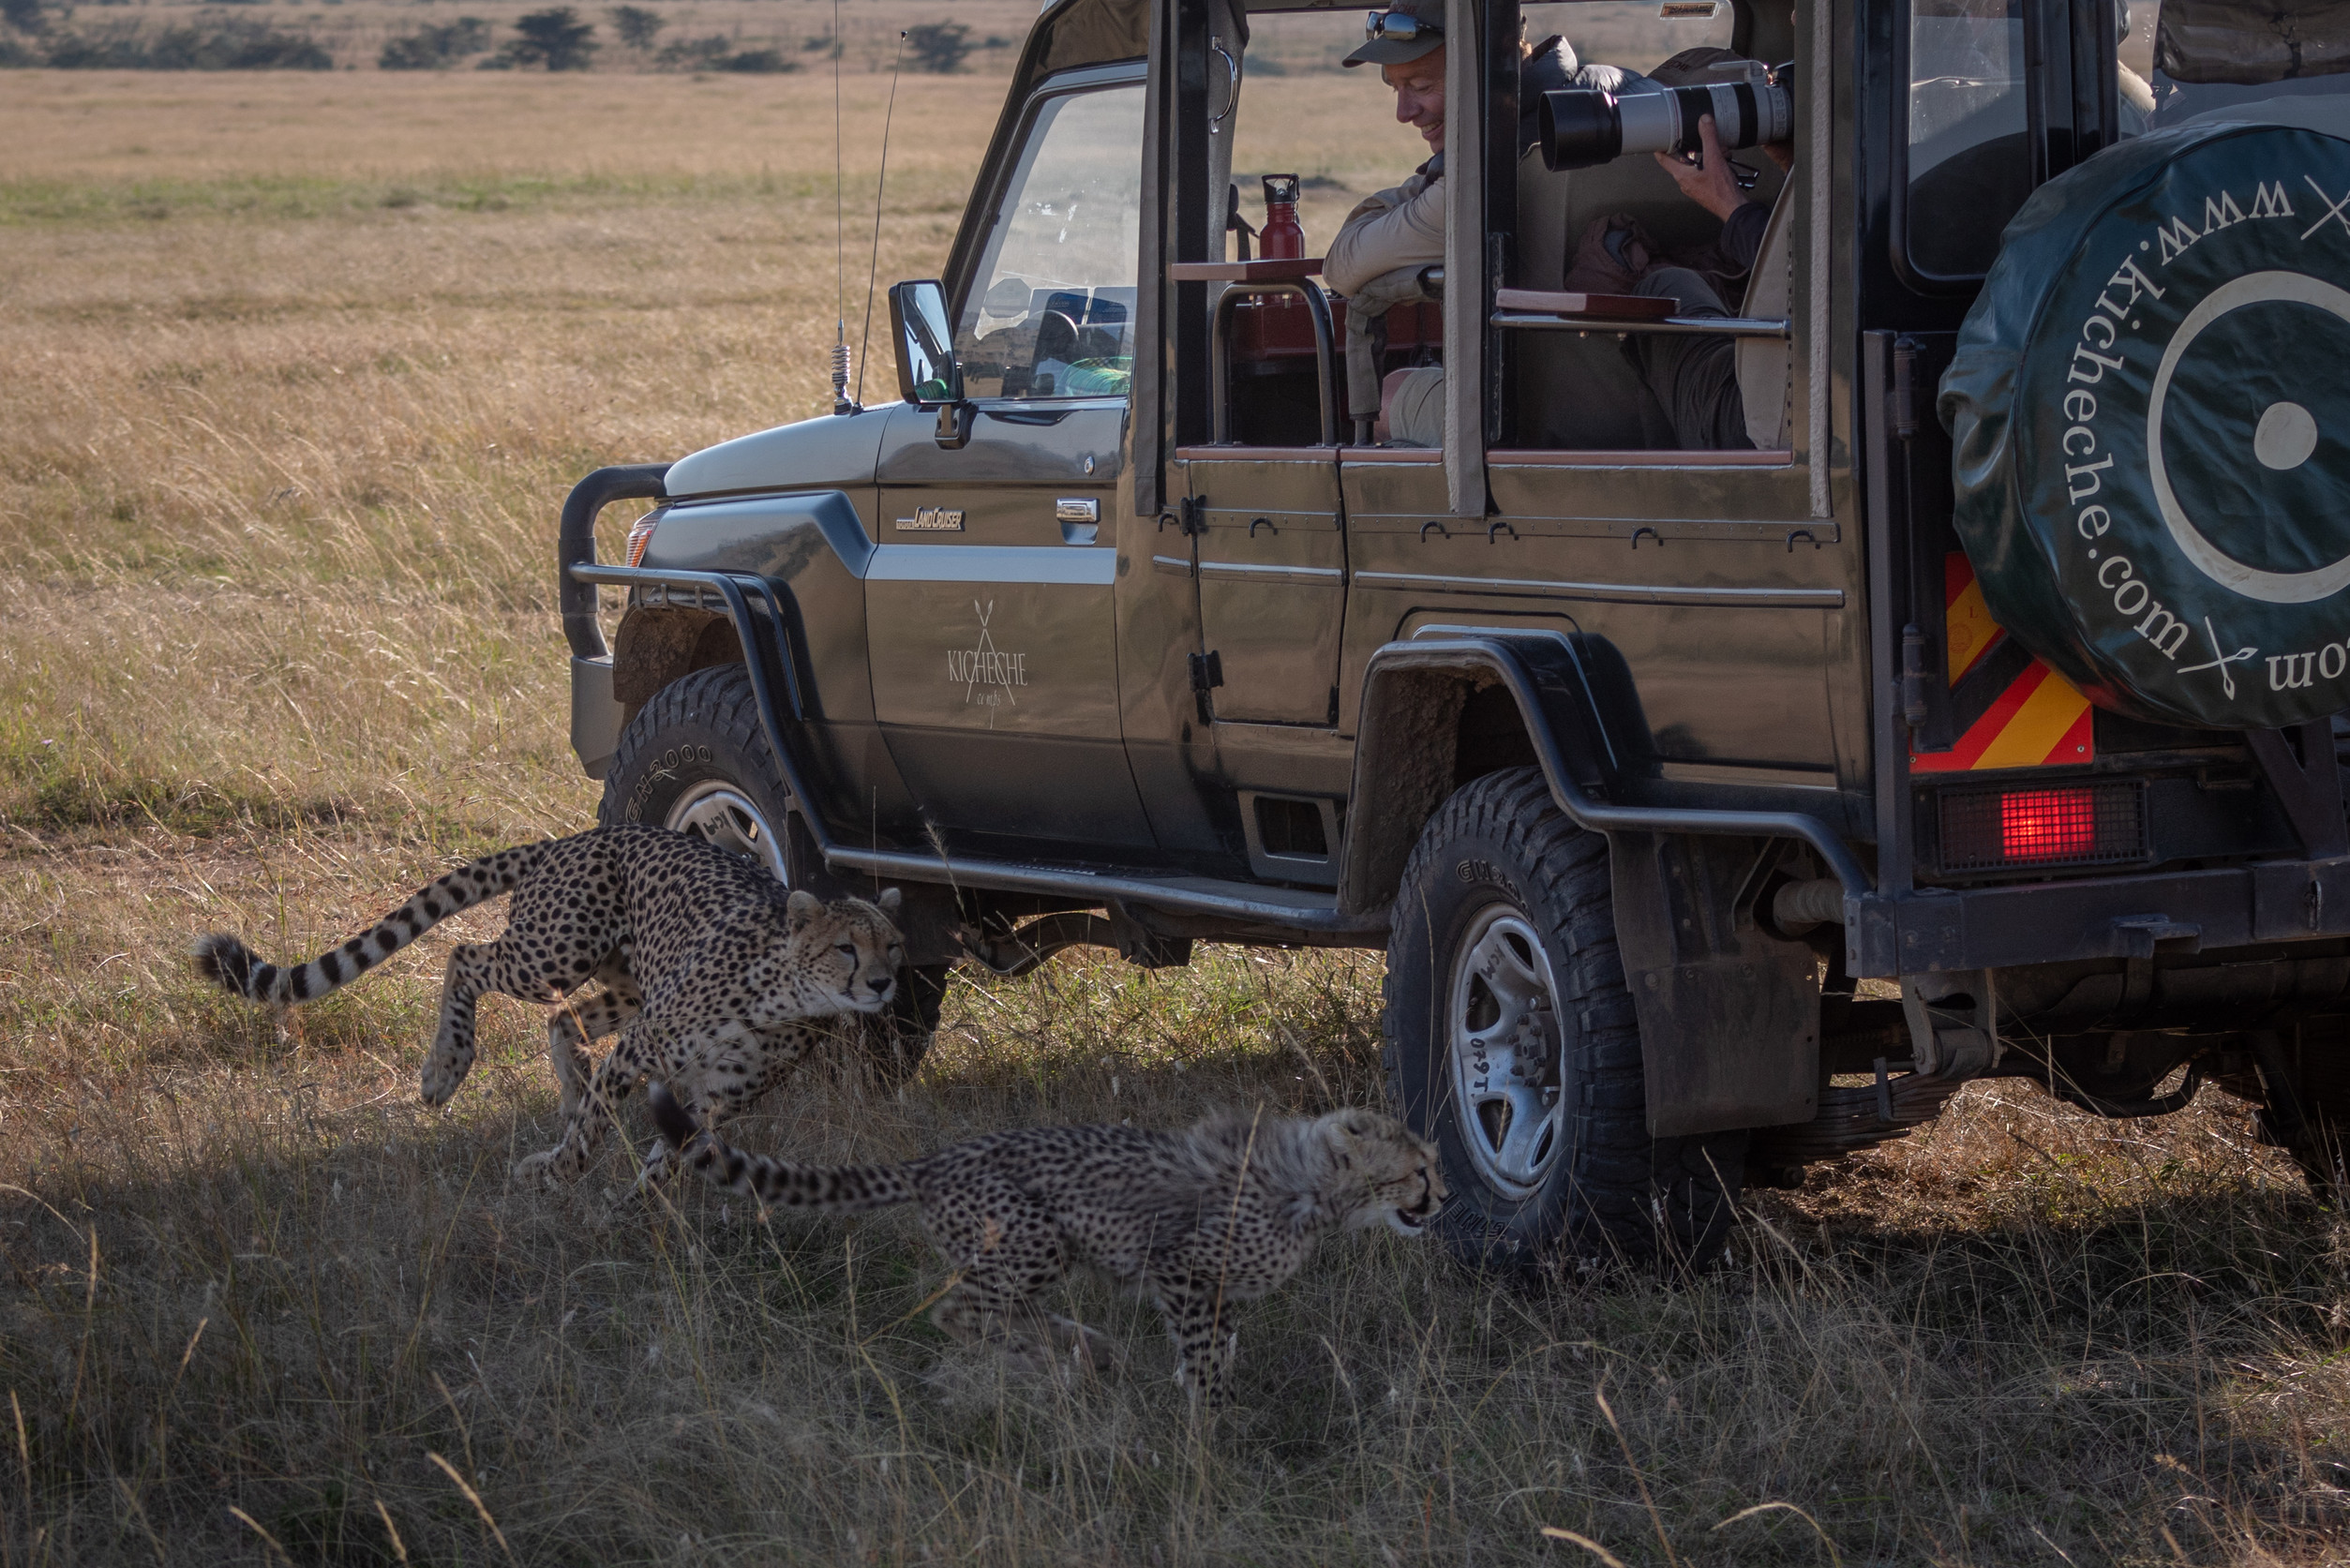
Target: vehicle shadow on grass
274, 1290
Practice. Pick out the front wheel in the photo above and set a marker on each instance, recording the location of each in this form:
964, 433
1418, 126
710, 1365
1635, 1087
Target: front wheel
695, 758
1512, 1043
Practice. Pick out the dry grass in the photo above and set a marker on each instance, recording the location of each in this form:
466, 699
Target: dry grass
280, 448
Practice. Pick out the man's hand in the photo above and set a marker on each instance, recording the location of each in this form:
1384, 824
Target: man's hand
1708, 182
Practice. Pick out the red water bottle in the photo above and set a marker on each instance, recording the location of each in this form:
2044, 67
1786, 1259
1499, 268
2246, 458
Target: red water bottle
1281, 239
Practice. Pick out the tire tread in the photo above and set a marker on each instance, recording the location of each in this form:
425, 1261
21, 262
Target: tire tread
1621, 1171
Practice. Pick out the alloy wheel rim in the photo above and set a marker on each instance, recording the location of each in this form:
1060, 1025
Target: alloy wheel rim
1502, 1029
717, 811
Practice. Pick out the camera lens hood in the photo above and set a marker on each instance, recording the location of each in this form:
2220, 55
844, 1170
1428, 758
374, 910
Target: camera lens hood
1579, 127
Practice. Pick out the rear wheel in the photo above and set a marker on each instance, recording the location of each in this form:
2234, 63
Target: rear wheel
2304, 1084
1512, 1043
696, 759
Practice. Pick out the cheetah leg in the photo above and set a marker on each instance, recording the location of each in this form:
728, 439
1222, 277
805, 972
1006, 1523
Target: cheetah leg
1204, 1342
1009, 1252
1086, 1349
718, 1078
570, 1027
660, 1165
980, 1313
472, 967
584, 1123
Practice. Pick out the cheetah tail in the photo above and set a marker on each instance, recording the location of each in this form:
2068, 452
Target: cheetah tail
837, 1189
233, 967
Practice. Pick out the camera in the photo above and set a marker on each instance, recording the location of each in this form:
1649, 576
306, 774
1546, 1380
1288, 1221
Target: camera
1581, 128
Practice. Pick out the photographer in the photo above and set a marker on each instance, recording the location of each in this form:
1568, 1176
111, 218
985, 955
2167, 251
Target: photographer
1694, 380
1391, 235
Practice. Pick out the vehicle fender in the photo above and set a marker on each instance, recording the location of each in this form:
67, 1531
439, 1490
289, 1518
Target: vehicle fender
812, 549
1728, 1011
1407, 757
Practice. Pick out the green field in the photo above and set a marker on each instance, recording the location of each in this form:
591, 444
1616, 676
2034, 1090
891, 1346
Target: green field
300, 366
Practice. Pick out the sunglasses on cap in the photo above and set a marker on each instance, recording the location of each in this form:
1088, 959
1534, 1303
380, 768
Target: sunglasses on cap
1402, 26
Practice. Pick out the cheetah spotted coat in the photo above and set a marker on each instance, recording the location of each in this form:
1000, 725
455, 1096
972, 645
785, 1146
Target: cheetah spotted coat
1196, 1221
704, 963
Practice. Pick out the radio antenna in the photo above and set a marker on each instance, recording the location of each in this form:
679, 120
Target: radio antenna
840, 240
864, 344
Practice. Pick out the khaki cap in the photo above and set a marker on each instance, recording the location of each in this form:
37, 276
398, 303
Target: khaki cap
1407, 30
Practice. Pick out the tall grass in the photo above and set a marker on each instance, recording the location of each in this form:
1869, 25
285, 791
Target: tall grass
278, 484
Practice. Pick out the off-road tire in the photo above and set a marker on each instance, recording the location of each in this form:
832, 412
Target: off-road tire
2313, 1123
1611, 1190
704, 728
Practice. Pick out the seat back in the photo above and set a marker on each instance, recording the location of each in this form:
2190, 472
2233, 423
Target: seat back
1764, 381
1573, 393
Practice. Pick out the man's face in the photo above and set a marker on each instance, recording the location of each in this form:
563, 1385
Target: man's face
1420, 86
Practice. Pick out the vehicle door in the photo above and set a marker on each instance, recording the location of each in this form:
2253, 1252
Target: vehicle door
1270, 539
994, 652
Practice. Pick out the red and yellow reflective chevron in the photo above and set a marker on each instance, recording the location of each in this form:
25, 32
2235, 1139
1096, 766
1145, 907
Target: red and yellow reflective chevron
2040, 721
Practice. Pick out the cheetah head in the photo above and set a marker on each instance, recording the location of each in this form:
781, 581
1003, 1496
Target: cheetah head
850, 950
1394, 1175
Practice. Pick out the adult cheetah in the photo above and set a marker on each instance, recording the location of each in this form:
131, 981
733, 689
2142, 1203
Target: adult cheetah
707, 968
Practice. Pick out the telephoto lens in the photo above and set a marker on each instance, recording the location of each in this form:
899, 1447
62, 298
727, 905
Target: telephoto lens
1581, 128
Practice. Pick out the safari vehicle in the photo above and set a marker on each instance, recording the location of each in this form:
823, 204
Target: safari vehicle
2000, 668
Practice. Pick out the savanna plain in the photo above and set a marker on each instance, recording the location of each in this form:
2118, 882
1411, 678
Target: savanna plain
298, 370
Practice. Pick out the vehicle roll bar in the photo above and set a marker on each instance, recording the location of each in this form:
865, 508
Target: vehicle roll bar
1325, 357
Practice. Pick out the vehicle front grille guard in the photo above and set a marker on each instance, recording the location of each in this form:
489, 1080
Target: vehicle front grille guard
575, 546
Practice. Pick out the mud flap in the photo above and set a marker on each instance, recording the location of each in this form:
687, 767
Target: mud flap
595, 715
1954, 1019
1729, 1014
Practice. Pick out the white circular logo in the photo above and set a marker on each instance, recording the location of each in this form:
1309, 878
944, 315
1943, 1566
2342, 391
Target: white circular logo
2287, 434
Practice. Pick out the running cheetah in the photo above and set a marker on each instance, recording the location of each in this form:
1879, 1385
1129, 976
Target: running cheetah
709, 969
1195, 1221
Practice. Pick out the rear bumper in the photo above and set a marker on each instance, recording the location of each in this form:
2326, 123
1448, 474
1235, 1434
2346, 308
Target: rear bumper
2123, 917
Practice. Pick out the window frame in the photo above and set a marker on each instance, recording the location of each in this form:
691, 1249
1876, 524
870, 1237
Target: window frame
2060, 128
1502, 344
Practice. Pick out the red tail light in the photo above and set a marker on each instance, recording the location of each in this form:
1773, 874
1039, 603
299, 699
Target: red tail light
2086, 824
2047, 823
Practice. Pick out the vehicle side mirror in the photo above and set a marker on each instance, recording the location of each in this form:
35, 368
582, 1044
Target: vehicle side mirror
928, 376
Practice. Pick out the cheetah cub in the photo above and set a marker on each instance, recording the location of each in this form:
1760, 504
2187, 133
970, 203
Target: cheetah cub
708, 966
1196, 1221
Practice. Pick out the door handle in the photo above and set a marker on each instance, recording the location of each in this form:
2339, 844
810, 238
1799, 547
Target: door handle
1071, 509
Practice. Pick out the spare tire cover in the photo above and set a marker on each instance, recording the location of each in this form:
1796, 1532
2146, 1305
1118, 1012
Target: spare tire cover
2150, 407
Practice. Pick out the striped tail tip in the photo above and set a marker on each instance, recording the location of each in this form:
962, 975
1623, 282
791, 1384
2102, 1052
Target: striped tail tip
226, 962
675, 1122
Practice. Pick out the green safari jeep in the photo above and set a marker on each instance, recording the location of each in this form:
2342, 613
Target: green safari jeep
1999, 664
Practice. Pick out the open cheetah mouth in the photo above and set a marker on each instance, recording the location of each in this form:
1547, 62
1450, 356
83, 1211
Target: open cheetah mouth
1409, 1222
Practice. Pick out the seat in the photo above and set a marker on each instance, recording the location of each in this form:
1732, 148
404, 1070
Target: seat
1573, 393
1577, 393
1765, 384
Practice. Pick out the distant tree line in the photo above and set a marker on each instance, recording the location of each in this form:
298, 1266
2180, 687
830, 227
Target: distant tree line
28, 38
556, 39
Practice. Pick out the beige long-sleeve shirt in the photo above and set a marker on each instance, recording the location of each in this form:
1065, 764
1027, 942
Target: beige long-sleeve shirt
1403, 226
